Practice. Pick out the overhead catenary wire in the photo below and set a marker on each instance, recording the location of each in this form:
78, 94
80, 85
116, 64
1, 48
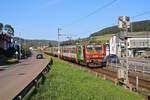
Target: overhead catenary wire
99, 9
140, 14
91, 13
112, 24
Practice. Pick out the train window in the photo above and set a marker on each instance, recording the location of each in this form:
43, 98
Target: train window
98, 47
73, 50
90, 47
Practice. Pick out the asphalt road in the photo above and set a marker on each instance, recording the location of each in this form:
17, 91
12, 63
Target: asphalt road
13, 78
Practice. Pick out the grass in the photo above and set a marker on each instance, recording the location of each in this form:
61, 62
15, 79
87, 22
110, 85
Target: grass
12, 60
104, 38
66, 82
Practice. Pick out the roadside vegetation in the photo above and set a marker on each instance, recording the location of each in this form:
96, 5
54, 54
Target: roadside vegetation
12, 60
67, 82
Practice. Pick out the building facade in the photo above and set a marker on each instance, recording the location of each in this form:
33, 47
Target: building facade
137, 45
5, 40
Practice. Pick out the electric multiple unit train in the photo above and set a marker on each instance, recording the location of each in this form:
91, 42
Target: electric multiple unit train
91, 55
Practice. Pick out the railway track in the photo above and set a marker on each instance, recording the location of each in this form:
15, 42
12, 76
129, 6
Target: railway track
143, 82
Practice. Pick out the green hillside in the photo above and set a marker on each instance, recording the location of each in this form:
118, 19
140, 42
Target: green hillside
139, 26
104, 35
105, 38
100, 38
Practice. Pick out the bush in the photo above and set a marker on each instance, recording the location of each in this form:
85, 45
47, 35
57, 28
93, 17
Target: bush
2, 51
10, 52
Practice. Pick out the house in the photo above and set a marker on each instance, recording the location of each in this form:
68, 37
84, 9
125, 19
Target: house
5, 40
138, 45
115, 45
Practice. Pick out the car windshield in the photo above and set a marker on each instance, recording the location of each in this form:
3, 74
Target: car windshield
98, 47
113, 56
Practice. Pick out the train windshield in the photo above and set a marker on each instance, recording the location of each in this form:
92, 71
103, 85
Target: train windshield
90, 47
98, 47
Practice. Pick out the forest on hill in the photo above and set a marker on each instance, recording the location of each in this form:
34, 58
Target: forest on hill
35, 43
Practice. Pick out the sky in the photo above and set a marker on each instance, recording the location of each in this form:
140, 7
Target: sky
40, 19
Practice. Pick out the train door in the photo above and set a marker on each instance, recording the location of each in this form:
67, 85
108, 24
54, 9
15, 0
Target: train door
61, 52
84, 52
80, 55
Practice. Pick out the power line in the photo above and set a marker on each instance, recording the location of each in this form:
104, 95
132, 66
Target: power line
112, 24
133, 17
141, 14
92, 13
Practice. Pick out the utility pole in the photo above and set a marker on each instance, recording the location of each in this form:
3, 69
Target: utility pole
59, 29
131, 27
69, 39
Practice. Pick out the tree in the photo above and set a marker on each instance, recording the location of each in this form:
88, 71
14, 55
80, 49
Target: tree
9, 29
1, 26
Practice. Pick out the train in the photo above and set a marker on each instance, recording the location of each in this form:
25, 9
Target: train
91, 55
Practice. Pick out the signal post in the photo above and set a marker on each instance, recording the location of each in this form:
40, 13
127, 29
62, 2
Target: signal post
123, 25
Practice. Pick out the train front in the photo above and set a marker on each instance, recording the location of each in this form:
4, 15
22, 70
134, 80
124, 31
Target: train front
95, 54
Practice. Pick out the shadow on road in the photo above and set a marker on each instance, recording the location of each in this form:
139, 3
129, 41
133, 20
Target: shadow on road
2, 69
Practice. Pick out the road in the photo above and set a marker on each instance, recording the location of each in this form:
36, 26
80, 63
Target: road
13, 78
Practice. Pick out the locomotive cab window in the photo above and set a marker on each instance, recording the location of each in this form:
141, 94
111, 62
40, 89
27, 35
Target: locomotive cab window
98, 47
90, 48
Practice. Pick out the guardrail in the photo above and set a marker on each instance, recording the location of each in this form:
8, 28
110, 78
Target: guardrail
34, 82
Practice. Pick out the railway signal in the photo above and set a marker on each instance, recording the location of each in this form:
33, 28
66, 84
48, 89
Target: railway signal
124, 24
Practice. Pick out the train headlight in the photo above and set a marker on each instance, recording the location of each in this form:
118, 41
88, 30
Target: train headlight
88, 61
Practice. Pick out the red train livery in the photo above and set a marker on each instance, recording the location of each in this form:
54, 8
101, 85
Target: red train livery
91, 55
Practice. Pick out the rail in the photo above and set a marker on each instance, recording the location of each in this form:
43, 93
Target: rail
34, 82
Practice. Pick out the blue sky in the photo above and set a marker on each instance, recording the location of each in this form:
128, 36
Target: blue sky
39, 19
